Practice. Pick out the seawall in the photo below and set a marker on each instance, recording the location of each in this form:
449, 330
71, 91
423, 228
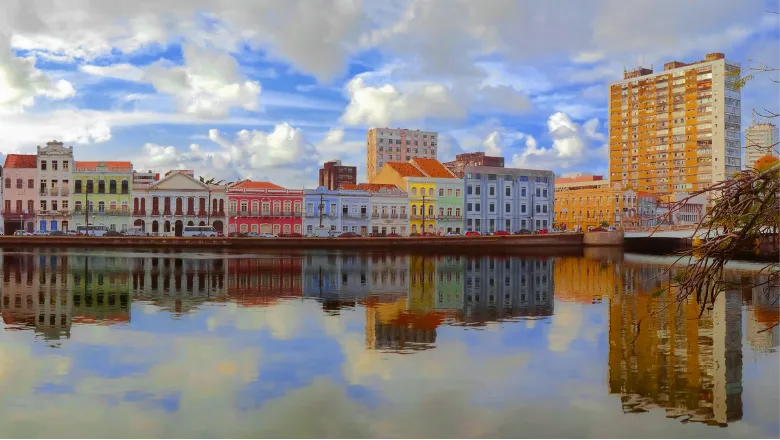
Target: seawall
511, 242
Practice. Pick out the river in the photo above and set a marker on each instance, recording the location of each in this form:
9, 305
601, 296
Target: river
125, 343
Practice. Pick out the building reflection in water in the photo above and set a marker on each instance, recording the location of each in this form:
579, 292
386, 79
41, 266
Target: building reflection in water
689, 367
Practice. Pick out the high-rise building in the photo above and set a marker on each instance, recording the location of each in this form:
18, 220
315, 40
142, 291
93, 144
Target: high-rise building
476, 159
333, 174
677, 130
760, 140
397, 145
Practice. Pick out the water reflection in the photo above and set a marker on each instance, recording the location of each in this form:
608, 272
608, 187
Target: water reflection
686, 368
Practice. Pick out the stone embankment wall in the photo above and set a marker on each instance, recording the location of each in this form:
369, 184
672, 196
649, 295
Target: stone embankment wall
607, 238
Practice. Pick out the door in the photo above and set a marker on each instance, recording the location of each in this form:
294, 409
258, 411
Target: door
179, 228
266, 227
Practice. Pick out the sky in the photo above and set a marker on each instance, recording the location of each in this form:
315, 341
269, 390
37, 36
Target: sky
268, 90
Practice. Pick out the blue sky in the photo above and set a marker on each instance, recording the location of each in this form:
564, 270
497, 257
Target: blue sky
269, 90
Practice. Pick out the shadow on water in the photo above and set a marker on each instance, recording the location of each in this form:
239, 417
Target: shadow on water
690, 369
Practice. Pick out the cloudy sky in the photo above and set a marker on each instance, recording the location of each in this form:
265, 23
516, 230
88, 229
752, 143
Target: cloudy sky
269, 89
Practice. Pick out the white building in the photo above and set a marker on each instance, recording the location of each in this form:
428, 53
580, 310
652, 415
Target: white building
760, 140
177, 200
388, 208
55, 171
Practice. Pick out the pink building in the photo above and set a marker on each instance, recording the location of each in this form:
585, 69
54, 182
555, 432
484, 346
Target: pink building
264, 207
20, 192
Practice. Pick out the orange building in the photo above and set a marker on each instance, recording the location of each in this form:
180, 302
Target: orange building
586, 201
677, 130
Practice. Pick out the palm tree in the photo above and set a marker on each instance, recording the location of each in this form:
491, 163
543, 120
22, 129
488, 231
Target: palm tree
208, 183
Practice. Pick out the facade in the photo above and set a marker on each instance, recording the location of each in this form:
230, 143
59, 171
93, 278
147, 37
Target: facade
20, 192
177, 200
476, 159
343, 210
423, 179
55, 171
647, 209
333, 174
264, 207
690, 213
389, 206
397, 145
585, 201
102, 191
508, 199
676, 130
760, 140
145, 177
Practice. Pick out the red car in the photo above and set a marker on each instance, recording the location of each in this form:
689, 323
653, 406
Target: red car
349, 235
542, 231
428, 234
376, 234
292, 235
472, 234
501, 233
599, 229
392, 234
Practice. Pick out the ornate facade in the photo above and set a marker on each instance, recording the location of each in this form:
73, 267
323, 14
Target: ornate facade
55, 171
264, 207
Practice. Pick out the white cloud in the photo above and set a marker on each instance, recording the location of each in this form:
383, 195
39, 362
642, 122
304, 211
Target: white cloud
492, 144
21, 82
127, 72
207, 85
570, 145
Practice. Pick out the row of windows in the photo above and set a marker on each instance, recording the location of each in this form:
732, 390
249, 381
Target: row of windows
266, 227
537, 179
477, 190
449, 192
55, 165
442, 211
477, 207
266, 206
492, 225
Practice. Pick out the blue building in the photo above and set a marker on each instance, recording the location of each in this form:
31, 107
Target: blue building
342, 210
508, 199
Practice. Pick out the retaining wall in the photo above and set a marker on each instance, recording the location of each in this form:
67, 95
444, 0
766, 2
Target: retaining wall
606, 238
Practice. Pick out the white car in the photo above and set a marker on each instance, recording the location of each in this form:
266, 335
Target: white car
71, 232
253, 234
267, 235
41, 233
21, 233
452, 234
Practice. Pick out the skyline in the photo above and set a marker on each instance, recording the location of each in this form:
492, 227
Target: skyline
199, 85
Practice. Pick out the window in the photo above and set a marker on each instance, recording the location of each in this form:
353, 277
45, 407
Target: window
468, 207
522, 209
101, 206
90, 187
54, 167
112, 187
468, 190
78, 206
477, 190
125, 187
522, 192
508, 207
508, 191
538, 209
430, 192
538, 192
43, 205
476, 207
414, 190
430, 210
65, 165
508, 227
492, 207
441, 192
544, 209
441, 212
457, 212
457, 193
492, 190
30, 183
544, 192
101, 186
414, 209
7, 182
449, 192
18, 183
43, 165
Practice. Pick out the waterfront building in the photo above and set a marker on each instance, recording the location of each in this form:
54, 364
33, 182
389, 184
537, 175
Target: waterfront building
385, 145
332, 174
340, 210
676, 130
450, 283
476, 159
508, 199
20, 192
101, 190
264, 281
100, 289
423, 179
760, 140
55, 171
177, 200
585, 201
647, 209
20, 286
388, 207
264, 207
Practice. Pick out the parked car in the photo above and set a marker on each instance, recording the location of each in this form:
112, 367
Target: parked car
21, 233
252, 234
599, 229
71, 233
452, 234
349, 235
376, 234
501, 233
57, 233
392, 234
611, 228
41, 233
522, 232
267, 235
292, 235
543, 231
472, 234
110, 233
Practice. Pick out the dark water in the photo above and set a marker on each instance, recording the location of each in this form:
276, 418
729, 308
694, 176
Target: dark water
132, 344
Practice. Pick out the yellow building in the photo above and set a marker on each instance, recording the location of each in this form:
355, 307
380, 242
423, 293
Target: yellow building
586, 201
677, 130
106, 187
422, 179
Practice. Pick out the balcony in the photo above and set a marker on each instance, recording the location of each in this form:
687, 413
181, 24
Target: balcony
450, 217
117, 212
420, 217
385, 215
394, 215
19, 213
54, 213
375, 215
139, 213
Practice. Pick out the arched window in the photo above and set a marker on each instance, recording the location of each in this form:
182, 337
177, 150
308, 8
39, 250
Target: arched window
112, 187
430, 192
414, 209
457, 193
101, 186
125, 187
414, 190
430, 209
441, 212
7, 182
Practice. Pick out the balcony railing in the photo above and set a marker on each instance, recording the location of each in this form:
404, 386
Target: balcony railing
54, 213
450, 217
117, 212
139, 213
23, 213
385, 215
420, 217
393, 215
374, 215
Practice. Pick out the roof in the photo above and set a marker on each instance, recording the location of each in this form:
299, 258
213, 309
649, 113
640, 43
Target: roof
249, 184
21, 161
433, 168
371, 187
112, 165
579, 179
405, 169
348, 186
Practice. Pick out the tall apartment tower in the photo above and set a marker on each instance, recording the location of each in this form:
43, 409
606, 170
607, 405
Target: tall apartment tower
677, 130
397, 145
760, 140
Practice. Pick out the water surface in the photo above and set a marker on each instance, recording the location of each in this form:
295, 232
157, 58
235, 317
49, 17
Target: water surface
318, 344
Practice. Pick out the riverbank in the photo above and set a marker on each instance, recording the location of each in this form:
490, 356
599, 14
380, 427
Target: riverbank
527, 242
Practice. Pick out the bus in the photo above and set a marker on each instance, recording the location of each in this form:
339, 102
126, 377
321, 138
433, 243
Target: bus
94, 230
199, 231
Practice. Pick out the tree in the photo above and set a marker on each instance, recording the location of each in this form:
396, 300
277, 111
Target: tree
745, 215
209, 183
604, 224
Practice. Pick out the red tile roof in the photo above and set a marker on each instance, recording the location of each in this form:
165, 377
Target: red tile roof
21, 161
249, 184
111, 165
374, 187
348, 186
579, 179
433, 168
405, 169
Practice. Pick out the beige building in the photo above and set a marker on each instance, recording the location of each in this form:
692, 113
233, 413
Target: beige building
760, 140
677, 130
397, 145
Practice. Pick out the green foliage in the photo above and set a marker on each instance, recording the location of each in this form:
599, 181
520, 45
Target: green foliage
604, 224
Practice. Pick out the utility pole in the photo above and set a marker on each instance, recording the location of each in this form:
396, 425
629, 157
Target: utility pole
86, 200
423, 212
322, 206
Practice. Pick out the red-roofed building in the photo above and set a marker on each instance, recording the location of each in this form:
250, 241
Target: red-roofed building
264, 207
20, 192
